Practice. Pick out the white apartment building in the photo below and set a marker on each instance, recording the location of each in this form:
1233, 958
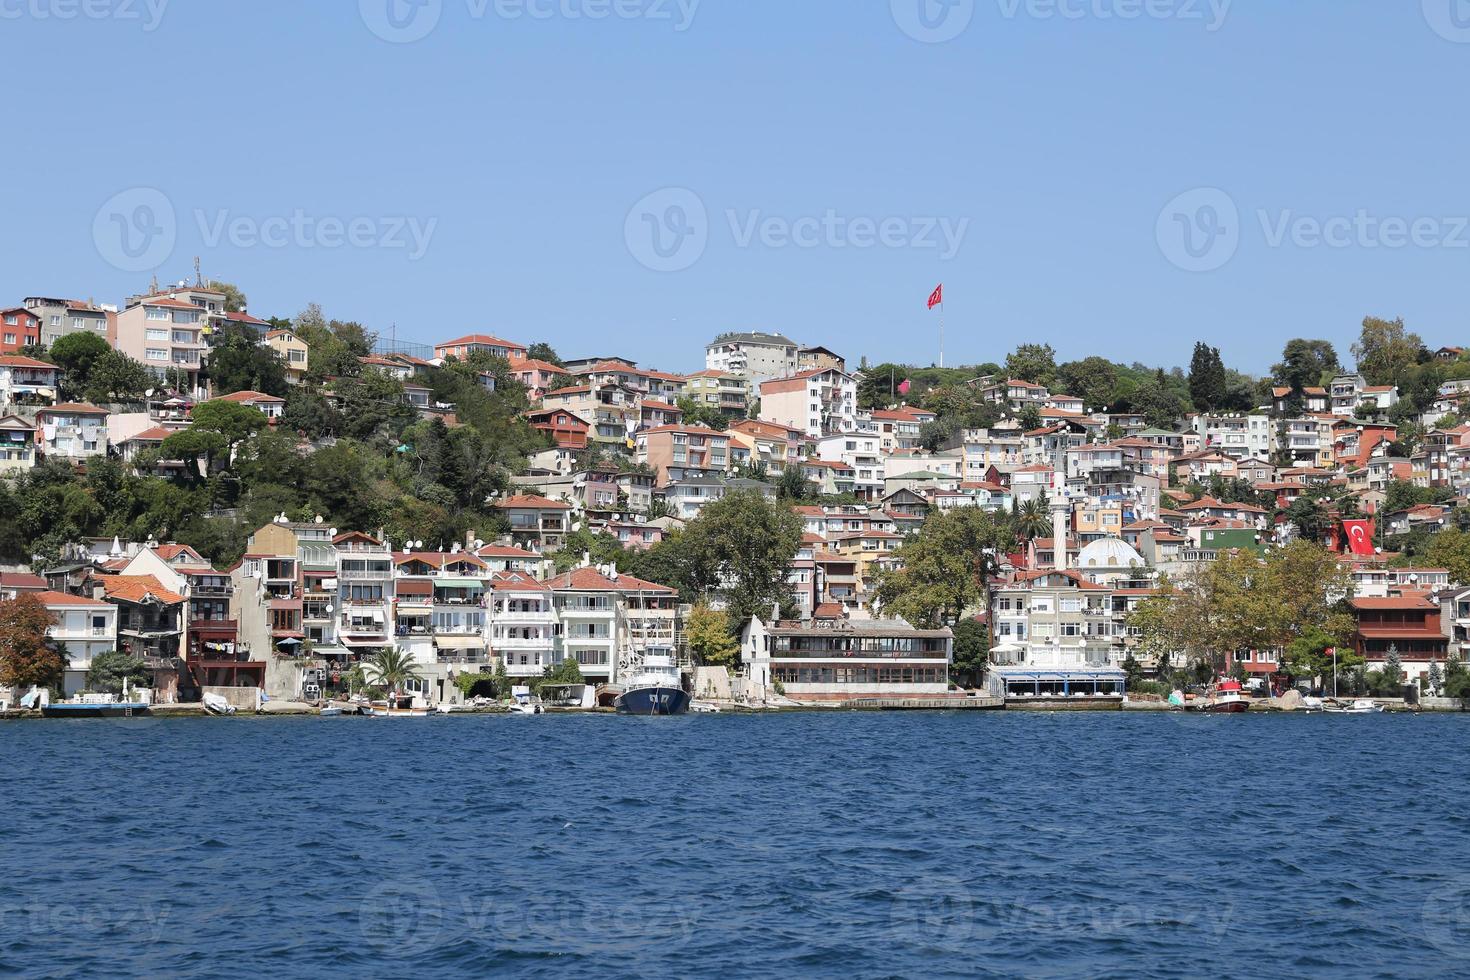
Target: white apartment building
72, 431
86, 627
756, 357
521, 625
1236, 435
861, 452
817, 402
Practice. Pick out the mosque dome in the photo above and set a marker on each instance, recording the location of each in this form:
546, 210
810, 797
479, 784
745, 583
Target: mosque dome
1109, 553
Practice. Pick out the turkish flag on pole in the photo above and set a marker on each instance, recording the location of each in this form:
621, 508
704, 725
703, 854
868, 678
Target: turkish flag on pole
936, 297
1360, 536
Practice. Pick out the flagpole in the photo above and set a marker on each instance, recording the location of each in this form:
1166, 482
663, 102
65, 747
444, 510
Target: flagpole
941, 333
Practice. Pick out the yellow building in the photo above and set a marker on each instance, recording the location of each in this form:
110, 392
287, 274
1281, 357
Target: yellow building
292, 351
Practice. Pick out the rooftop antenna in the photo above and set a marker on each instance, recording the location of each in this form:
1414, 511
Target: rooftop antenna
198, 276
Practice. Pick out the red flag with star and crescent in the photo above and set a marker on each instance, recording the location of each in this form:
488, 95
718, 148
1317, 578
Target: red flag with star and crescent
936, 297
1359, 536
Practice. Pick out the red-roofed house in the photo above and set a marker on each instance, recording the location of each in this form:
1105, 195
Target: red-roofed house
19, 327
27, 380
476, 343
818, 402
538, 376
675, 452
270, 405
1409, 623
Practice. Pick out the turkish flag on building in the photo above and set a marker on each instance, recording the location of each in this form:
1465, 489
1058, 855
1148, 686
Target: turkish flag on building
1359, 536
936, 297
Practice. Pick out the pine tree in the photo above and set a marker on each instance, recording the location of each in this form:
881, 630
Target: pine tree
1207, 381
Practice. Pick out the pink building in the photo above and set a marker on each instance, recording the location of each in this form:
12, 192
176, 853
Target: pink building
165, 334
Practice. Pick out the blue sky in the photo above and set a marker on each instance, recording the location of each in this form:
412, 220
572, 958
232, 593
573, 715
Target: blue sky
505, 173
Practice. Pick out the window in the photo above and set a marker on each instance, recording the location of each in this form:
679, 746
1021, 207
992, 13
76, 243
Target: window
157, 313
157, 334
10, 338
10, 319
154, 354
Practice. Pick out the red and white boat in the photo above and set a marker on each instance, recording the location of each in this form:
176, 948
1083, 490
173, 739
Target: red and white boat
1226, 697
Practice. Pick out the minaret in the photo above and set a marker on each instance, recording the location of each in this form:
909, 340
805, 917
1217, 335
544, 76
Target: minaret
1061, 513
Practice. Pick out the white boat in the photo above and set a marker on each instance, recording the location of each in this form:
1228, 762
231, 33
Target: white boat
523, 702
704, 707
216, 704
379, 712
1312, 705
1362, 706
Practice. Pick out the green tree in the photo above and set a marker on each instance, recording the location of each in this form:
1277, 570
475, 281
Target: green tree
391, 669
1033, 520
971, 650
1036, 363
944, 569
1207, 381
199, 445
1386, 352
239, 362
710, 639
235, 301
1305, 363
109, 671
75, 354
741, 546
232, 421
1450, 549
544, 352
116, 377
1092, 379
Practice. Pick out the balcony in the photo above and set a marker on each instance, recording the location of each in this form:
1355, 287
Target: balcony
214, 626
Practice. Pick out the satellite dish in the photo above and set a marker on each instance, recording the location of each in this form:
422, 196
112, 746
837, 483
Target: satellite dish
332, 531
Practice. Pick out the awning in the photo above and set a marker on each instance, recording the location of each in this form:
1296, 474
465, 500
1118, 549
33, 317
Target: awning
459, 642
458, 583
415, 587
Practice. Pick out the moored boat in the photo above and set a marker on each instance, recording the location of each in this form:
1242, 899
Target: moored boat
1226, 697
1362, 706
656, 689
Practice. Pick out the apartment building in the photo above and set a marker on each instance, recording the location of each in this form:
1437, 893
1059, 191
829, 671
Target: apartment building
60, 317
755, 357
19, 327
536, 523
25, 380
522, 623
1015, 394
166, 335
17, 445
72, 430
539, 377
86, 627
840, 659
817, 402
1236, 435
863, 454
719, 390
677, 452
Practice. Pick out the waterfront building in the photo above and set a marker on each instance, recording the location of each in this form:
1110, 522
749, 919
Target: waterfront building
839, 659
86, 627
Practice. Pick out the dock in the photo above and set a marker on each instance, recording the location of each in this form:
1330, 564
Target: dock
935, 703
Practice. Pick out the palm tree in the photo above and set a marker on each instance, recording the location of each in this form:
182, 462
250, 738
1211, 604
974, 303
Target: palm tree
390, 668
1032, 520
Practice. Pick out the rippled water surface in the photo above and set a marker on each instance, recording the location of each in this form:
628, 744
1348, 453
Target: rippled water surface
848, 845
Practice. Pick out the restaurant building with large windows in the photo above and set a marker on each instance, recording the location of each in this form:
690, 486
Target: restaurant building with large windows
838, 659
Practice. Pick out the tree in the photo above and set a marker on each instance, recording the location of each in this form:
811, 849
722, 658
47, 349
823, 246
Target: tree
1092, 379
1456, 678
1207, 388
706, 415
1389, 682
971, 650
1435, 679
1450, 549
27, 656
1032, 519
235, 301
1311, 656
232, 421
1030, 418
391, 669
544, 352
239, 362
1133, 671
1305, 363
201, 446
1036, 363
1386, 352
110, 670
710, 639
116, 377
944, 569
741, 546
75, 354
